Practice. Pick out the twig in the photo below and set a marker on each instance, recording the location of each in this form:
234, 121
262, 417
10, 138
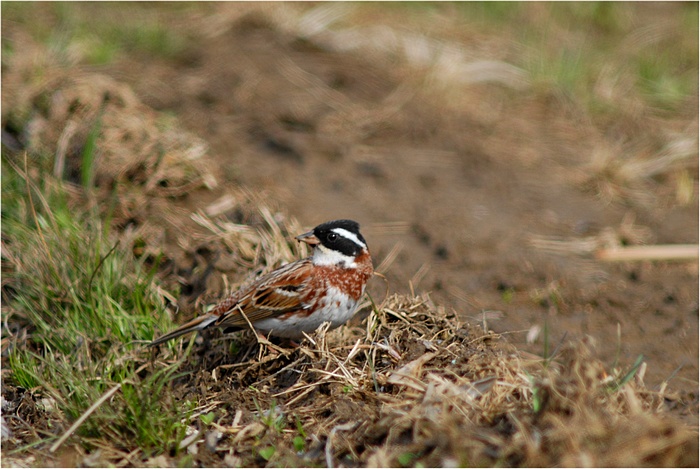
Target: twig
389, 259
386, 292
261, 339
337, 428
89, 412
657, 252
189, 440
291, 365
84, 417
99, 264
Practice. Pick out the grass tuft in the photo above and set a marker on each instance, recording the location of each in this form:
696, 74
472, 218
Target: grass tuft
84, 307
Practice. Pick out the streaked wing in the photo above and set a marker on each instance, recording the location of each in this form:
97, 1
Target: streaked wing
276, 293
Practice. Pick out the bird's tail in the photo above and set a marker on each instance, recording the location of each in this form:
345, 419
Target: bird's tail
197, 324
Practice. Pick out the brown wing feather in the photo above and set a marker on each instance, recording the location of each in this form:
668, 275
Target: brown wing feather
276, 293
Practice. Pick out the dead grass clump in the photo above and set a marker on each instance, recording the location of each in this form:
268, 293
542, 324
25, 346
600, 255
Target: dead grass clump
97, 132
413, 386
615, 173
583, 416
331, 391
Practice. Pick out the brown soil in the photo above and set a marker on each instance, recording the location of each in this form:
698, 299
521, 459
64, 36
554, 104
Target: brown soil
462, 179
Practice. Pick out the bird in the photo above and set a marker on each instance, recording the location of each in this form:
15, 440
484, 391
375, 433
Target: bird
298, 297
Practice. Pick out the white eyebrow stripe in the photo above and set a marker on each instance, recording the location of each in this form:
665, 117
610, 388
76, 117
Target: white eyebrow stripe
351, 236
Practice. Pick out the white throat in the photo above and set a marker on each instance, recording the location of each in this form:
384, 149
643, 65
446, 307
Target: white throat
324, 256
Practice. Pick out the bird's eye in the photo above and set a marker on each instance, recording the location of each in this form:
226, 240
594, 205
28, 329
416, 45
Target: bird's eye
332, 236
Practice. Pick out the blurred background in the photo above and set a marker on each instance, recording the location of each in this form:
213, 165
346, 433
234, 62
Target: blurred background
489, 150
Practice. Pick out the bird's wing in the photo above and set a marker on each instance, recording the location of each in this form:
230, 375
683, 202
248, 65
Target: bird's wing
276, 293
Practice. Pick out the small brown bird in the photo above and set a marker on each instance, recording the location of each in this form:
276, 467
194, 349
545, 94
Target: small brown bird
299, 296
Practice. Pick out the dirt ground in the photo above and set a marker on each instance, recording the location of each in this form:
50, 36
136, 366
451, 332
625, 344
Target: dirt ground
462, 180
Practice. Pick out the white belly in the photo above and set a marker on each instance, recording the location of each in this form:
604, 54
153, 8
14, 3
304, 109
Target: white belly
337, 309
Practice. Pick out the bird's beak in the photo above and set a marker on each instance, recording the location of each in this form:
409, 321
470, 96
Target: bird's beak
308, 238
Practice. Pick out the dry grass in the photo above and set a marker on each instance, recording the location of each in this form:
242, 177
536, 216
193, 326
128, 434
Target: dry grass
136, 146
413, 386
409, 385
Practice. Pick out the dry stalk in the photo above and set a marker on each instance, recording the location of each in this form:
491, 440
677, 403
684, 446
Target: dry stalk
649, 253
